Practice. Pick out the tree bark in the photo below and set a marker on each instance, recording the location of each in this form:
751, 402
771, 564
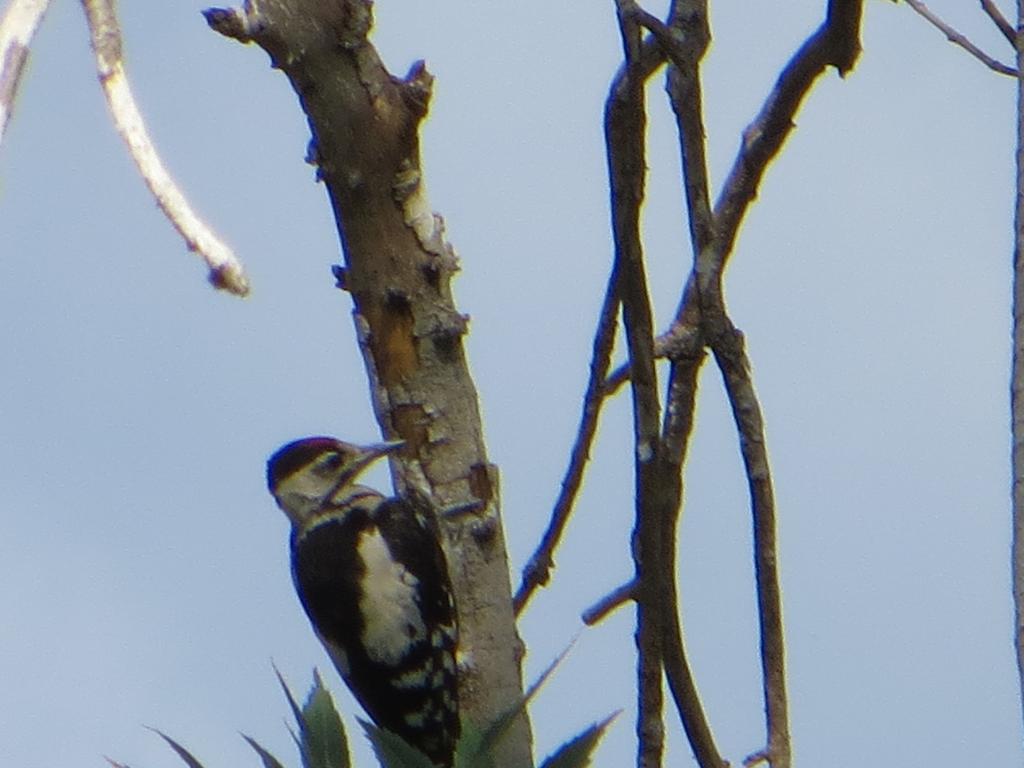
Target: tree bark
398, 268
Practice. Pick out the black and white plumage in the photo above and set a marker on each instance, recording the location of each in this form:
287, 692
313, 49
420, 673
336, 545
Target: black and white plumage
371, 575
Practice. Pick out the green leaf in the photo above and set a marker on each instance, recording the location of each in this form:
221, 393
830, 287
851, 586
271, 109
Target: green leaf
183, 753
288, 694
475, 748
392, 750
492, 734
296, 739
269, 761
576, 752
471, 750
323, 735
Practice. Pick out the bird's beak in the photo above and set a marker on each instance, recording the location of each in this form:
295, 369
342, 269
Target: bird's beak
383, 449
367, 455
370, 454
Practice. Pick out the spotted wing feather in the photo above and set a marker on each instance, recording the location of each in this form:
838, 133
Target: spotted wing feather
386, 616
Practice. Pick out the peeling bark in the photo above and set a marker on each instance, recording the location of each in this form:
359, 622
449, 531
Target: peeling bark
398, 269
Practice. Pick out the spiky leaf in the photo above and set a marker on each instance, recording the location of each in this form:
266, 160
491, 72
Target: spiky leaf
576, 752
392, 750
288, 694
183, 753
269, 761
472, 749
480, 757
323, 736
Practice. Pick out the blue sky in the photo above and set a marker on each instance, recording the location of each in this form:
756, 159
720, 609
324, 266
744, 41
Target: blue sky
143, 567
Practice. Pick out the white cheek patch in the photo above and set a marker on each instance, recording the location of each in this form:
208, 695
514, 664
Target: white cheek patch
300, 494
388, 602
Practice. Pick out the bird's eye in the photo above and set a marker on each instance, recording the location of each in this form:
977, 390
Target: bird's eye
330, 462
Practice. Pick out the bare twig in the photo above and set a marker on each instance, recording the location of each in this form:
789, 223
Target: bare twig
682, 683
625, 126
685, 41
536, 573
735, 366
835, 43
686, 97
226, 271
615, 599
538, 569
1000, 21
18, 26
683, 335
685, 44
701, 318
958, 38
1017, 387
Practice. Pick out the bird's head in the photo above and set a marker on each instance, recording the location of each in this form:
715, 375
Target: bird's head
306, 475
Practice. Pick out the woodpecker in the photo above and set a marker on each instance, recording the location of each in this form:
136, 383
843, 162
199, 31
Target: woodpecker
371, 576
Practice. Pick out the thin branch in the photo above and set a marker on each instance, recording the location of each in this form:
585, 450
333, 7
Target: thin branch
538, 569
682, 336
679, 413
226, 272
702, 314
735, 366
685, 41
625, 128
835, 43
1000, 21
1017, 386
536, 573
17, 28
685, 95
614, 600
958, 38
